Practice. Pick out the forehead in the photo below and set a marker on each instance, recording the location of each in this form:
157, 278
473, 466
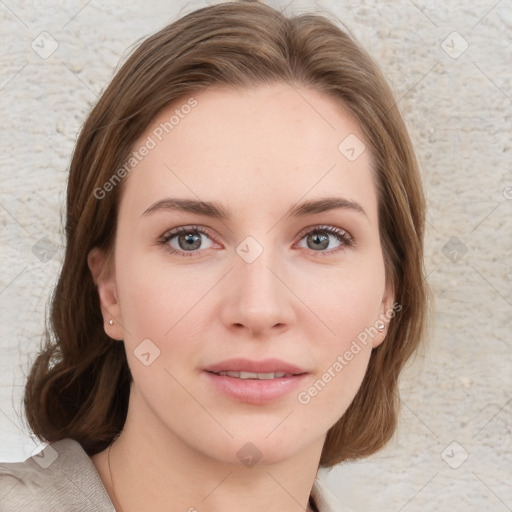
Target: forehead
251, 145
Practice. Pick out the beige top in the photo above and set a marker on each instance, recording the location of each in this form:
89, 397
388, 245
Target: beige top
62, 477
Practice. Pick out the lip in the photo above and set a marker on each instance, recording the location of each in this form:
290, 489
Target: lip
254, 391
272, 365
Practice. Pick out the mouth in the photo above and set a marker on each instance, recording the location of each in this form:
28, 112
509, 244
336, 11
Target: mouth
254, 382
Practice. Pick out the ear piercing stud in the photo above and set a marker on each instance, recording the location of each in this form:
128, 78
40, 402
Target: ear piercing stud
381, 326
111, 322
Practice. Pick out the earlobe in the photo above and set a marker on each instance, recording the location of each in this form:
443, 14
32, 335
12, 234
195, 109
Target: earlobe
381, 334
104, 279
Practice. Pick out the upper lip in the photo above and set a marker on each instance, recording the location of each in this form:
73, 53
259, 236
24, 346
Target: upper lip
248, 365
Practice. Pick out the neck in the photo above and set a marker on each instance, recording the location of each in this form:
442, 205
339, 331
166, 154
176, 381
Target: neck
151, 468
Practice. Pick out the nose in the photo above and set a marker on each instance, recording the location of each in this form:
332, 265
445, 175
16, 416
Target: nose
258, 298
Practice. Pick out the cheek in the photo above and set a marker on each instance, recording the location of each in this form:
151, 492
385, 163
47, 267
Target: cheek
346, 300
159, 306
154, 297
348, 306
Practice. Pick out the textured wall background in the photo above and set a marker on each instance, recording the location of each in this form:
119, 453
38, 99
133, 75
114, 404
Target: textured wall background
449, 65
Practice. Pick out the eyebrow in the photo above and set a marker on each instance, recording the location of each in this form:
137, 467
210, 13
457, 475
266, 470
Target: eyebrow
218, 211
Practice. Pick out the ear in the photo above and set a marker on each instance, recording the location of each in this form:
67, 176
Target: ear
387, 311
104, 277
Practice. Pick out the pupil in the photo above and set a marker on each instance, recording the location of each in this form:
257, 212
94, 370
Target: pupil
320, 238
192, 241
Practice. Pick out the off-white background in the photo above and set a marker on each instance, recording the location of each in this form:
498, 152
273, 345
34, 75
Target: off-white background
457, 104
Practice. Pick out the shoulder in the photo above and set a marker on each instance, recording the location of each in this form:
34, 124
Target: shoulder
324, 499
60, 477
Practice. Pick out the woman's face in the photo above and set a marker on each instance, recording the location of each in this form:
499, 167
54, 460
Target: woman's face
226, 259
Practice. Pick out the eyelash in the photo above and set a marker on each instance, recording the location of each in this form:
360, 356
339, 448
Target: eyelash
340, 234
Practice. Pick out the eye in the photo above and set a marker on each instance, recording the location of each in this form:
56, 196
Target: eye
319, 238
185, 240
188, 240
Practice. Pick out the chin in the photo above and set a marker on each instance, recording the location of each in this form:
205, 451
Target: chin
249, 448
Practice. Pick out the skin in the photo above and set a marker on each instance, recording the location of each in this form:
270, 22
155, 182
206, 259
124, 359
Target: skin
257, 152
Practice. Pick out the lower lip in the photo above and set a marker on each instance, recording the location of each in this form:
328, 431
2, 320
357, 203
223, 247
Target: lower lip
255, 391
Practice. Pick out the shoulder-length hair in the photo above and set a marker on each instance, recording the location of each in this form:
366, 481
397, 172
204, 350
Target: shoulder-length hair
79, 385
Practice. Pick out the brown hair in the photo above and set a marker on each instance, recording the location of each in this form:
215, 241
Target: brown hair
79, 385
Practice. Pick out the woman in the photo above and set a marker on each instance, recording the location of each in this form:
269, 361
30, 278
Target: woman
243, 276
